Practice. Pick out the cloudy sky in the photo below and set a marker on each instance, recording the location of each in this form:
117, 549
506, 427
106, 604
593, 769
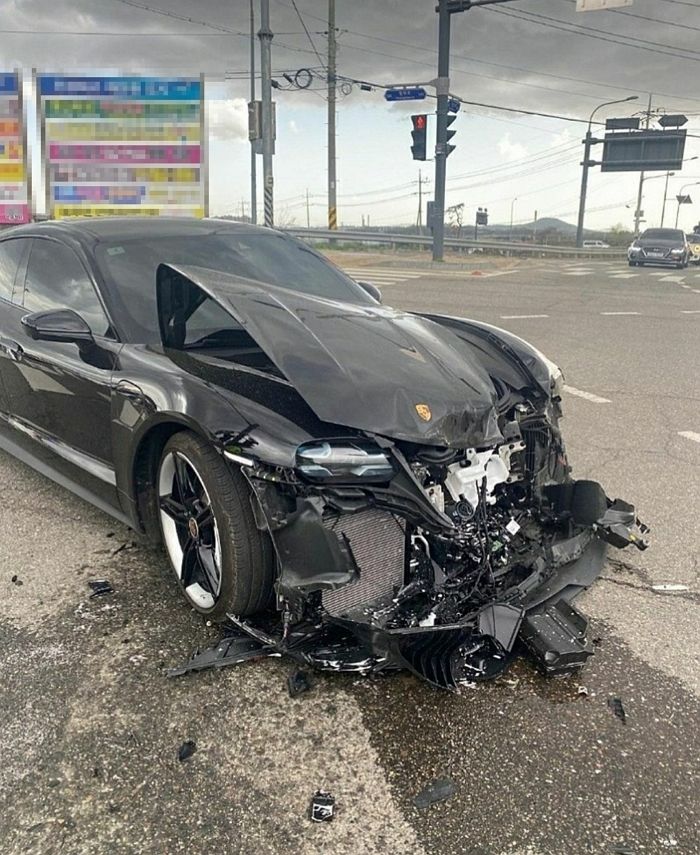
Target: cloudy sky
535, 55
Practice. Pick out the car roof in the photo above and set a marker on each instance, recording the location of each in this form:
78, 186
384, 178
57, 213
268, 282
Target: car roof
128, 228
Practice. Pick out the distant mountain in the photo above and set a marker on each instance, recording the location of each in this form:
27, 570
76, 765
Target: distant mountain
544, 225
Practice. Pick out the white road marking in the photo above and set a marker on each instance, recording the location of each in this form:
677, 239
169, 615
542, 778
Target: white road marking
623, 275
657, 273
620, 313
383, 271
588, 396
672, 279
689, 434
578, 272
695, 291
686, 286
516, 317
690, 311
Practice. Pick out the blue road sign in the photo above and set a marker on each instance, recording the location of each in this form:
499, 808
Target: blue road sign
412, 93
453, 105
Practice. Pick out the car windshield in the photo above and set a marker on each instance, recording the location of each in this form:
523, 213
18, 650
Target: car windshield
663, 234
694, 238
129, 267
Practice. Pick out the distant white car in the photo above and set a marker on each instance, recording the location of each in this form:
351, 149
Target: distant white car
595, 244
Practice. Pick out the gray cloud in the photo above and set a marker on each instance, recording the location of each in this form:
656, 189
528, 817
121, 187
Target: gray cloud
497, 57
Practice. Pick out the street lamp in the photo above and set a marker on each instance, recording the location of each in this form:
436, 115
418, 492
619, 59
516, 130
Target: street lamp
669, 175
663, 207
588, 141
510, 228
680, 196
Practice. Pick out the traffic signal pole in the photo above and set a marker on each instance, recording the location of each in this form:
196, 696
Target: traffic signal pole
443, 94
445, 10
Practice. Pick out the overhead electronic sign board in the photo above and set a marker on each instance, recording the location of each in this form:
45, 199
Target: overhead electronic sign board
116, 146
638, 151
15, 191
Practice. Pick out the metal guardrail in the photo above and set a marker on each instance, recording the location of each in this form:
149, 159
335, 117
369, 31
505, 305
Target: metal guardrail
509, 247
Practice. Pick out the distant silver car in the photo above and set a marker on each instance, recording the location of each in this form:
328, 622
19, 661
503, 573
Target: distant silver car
659, 246
595, 244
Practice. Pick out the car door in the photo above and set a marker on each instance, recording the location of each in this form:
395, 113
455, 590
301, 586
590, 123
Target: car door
59, 393
12, 254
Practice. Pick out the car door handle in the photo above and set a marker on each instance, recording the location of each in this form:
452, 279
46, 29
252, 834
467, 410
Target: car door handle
12, 349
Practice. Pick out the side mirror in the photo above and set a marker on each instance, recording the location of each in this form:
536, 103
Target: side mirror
57, 325
372, 290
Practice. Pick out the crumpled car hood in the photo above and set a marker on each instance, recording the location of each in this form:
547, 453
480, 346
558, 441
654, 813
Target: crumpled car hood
371, 368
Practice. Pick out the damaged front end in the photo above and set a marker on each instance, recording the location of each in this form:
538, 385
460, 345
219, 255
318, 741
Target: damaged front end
443, 561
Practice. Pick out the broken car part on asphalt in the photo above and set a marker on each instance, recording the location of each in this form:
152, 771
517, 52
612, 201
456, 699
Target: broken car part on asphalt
436, 791
100, 587
322, 807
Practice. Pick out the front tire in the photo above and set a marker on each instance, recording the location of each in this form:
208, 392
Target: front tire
223, 563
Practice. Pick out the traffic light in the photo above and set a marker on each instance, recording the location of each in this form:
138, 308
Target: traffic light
420, 137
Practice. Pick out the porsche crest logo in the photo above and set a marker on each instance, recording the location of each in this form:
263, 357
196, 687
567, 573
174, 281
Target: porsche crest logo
424, 412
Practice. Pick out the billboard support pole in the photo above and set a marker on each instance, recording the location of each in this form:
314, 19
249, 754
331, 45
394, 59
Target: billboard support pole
253, 156
265, 36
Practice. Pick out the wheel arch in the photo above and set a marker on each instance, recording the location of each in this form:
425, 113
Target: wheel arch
144, 466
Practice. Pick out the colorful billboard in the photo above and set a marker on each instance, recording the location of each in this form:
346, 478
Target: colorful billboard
14, 172
116, 146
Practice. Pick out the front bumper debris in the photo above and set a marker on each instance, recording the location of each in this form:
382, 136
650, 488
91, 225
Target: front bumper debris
539, 621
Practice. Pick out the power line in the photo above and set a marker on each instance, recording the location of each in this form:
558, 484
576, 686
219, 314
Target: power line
220, 27
308, 34
647, 18
613, 38
500, 65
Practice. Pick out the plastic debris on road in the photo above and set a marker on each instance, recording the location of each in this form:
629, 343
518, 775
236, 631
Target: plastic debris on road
298, 682
615, 705
322, 807
186, 750
436, 791
100, 587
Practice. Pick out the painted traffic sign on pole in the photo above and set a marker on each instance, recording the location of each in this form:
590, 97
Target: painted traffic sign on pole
406, 93
453, 105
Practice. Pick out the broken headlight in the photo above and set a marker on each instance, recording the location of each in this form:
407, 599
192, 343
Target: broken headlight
344, 460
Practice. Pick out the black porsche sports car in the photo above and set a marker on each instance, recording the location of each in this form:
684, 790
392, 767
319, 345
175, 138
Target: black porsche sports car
359, 487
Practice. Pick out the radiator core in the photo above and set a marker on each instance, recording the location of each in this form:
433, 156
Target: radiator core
378, 544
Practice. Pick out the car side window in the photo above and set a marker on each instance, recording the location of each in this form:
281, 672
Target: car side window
56, 279
11, 253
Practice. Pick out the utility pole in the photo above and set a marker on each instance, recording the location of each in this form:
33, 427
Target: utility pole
421, 182
638, 210
253, 156
332, 51
265, 36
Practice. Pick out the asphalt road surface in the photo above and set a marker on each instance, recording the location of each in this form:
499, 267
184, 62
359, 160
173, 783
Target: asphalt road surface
91, 727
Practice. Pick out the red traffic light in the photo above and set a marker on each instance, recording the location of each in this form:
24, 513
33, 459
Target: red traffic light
419, 122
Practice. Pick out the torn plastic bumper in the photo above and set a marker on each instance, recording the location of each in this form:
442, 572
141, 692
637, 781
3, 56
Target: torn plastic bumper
535, 617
